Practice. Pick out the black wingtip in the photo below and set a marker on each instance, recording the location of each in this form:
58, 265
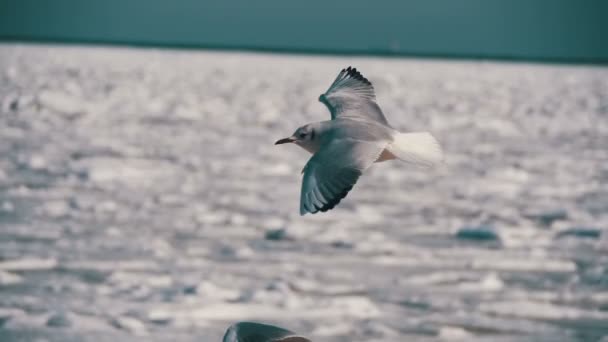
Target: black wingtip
354, 73
329, 205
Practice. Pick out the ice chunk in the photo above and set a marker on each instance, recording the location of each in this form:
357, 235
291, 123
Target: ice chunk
524, 264
490, 282
28, 264
541, 311
160, 316
59, 319
56, 209
37, 162
333, 330
211, 291
7, 314
130, 324
61, 102
7, 278
280, 169
449, 333
134, 279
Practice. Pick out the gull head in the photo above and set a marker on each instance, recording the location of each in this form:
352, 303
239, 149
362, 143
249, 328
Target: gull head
306, 137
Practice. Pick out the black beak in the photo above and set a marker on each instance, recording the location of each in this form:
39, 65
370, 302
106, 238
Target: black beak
285, 141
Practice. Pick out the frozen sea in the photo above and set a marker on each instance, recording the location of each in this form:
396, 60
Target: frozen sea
142, 199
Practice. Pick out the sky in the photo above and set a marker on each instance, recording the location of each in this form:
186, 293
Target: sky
566, 30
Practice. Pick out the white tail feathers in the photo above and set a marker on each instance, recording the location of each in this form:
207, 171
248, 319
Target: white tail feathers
419, 148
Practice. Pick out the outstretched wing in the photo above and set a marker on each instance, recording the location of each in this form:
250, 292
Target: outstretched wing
352, 95
333, 171
257, 332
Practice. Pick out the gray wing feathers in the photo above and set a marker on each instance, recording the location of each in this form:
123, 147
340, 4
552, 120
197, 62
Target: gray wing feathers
351, 82
325, 194
258, 332
333, 171
352, 95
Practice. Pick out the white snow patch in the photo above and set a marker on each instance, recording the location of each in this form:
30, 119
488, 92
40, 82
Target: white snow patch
7, 278
212, 291
528, 264
539, 310
449, 333
56, 209
61, 102
28, 264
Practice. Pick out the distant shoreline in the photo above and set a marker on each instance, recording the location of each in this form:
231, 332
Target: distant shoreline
385, 53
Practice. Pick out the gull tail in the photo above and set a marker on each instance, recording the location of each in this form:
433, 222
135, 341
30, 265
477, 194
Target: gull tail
419, 148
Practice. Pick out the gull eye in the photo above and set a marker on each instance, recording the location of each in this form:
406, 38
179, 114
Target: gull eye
302, 135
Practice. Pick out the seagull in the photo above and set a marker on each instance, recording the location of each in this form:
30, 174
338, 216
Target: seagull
357, 136
258, 332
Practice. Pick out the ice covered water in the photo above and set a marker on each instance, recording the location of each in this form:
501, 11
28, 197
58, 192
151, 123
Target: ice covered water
139, 187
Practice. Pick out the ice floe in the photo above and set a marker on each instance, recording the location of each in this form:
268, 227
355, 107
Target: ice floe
147, 200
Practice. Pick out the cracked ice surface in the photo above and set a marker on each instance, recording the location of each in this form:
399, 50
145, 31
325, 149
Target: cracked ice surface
141, 198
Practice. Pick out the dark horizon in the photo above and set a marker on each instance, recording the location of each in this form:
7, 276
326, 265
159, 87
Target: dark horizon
541, 30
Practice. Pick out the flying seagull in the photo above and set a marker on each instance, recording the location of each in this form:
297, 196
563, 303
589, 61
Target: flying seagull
357, 136
257, 332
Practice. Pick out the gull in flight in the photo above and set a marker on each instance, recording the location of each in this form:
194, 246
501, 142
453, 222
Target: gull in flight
257, 332
357, 136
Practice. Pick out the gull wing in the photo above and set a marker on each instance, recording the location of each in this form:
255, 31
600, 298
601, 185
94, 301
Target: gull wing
258, 332
333, 171
352, 95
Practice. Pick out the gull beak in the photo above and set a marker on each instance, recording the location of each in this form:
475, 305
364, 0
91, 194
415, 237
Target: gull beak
285, 141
